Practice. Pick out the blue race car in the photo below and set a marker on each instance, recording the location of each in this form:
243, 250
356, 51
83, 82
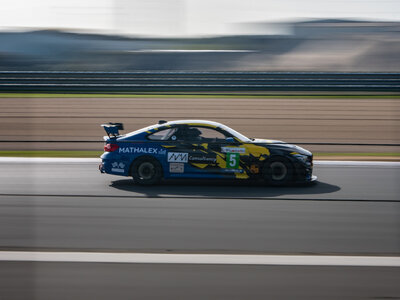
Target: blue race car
201, 149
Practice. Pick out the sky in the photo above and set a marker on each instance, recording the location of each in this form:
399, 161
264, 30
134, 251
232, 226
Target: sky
180, 17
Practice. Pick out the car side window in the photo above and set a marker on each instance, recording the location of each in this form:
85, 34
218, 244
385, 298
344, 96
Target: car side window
197, 134
162, 135
204, 134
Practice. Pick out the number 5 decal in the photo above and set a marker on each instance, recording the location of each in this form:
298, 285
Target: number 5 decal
232, 160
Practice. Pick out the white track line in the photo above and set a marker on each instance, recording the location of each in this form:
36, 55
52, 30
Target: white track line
98, 160
356, 163
48, 160
230, 259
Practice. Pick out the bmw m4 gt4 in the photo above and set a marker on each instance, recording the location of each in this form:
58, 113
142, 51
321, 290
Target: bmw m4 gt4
201, 149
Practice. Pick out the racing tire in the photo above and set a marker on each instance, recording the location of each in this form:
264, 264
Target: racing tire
146, 171
278, 171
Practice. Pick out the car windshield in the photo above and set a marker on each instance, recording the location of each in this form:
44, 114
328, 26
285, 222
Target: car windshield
235, 134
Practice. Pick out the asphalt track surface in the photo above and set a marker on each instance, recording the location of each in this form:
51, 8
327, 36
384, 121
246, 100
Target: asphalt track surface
25, 281
352, 210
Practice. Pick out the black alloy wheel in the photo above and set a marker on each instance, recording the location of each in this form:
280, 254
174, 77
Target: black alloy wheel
278, 171
146, 171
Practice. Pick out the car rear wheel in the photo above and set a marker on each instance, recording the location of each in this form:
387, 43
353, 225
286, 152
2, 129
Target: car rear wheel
146, 171
278, 171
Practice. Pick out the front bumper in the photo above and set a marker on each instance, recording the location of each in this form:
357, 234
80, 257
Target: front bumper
304, 172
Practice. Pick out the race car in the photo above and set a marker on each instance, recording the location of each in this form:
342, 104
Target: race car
201, 149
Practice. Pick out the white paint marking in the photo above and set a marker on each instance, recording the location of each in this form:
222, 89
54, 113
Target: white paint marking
356, 163
230, 259
48, 160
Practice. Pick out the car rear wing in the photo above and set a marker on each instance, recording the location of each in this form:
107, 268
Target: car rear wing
113, 129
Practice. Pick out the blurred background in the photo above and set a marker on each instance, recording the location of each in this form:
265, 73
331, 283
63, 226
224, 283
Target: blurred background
185, 46
255, 35
323, 74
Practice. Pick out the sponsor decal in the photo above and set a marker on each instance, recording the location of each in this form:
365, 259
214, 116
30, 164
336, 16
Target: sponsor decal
141, 150
232, 150
202, 159
118, 167
232, 160
176, 167
179, 157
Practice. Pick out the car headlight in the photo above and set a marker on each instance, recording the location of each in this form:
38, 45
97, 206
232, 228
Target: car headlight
302, 158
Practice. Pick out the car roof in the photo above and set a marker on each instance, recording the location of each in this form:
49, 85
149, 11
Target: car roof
148, 129
205, 123
194, 123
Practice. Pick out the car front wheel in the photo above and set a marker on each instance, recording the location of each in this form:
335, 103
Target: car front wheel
146, 171
278, 171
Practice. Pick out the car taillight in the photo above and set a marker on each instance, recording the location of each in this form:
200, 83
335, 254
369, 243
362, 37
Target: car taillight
110, 147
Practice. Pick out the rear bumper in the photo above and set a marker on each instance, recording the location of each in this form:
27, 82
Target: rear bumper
114, 167
101, 167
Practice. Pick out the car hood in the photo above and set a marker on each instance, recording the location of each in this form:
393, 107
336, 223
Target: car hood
281, 144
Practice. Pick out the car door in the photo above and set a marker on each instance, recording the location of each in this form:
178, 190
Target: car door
193, 150
236, 158
180, 149
215, 152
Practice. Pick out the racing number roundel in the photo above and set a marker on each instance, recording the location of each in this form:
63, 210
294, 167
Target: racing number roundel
232, 160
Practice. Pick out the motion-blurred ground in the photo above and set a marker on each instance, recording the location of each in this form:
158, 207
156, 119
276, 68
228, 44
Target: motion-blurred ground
314, 120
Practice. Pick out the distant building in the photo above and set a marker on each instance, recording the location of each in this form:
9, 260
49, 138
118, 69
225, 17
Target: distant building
318, 28
342, 28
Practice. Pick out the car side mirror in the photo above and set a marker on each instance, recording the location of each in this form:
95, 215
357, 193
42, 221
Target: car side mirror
230, 140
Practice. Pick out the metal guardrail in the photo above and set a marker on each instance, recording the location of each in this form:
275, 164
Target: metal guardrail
181, 81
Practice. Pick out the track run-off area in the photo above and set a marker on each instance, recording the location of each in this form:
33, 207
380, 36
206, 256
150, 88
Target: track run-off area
337, 124
66, 227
